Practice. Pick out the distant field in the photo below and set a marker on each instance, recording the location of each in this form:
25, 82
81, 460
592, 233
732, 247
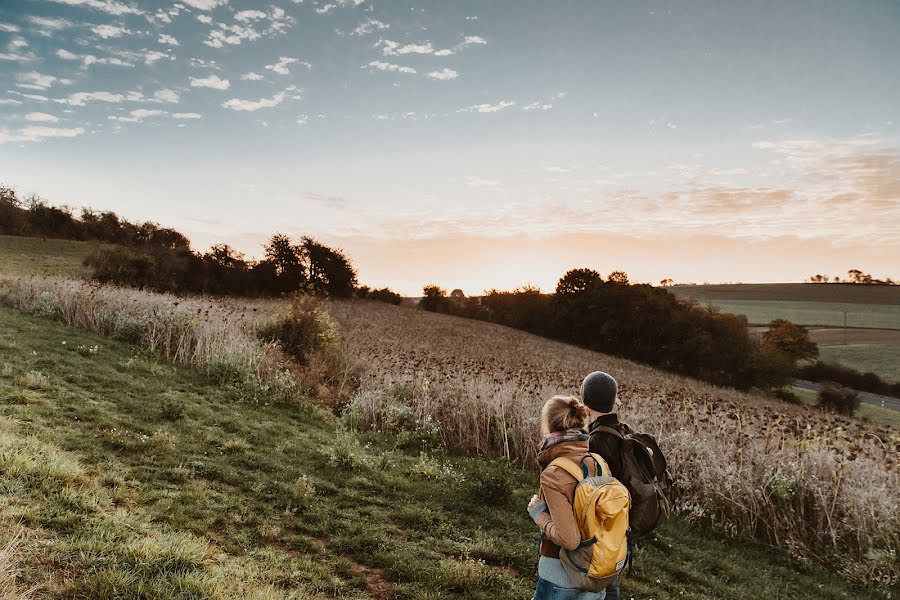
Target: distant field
866, 412
39, 256
761, 312
797, 292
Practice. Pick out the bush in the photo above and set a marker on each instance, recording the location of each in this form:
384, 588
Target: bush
786, 395
838, 398
303, 328
846, 376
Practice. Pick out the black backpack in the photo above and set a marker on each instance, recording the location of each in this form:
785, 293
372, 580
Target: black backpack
645, 473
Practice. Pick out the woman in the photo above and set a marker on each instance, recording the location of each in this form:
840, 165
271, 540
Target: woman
562, 420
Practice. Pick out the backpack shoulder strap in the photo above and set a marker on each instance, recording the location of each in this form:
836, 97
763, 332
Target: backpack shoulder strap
602, 466
568, 466
609, 430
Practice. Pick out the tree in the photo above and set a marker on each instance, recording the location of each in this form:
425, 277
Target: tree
287, 266
458, 294
666, 282
818, 278
837, 398
330, 271
578, 281
790, 338
434, 298
618, 277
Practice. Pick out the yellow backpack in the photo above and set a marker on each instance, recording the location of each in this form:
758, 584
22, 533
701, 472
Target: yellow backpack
601, 510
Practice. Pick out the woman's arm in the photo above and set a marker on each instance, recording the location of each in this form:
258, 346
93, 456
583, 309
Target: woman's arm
558, 525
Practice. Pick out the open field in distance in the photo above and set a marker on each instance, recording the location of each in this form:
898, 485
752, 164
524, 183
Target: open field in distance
43, 256
798, 292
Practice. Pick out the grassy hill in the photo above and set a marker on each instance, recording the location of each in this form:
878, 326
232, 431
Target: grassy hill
42, 256
137, 479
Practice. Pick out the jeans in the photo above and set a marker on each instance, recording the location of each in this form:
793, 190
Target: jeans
547, 591
612, 590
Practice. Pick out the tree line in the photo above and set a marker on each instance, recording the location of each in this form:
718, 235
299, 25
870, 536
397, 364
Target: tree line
640, 322
854, 276
149, 256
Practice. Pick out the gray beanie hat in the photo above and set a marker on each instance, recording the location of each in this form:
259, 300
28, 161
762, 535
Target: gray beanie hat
598, 391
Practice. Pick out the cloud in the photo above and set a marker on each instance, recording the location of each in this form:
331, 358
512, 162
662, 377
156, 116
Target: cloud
189, 115
151, 56
250, 15
386, 66
206, 19
470, 40
82, 98
244, 29
324, 10
213, 81
39, 117
444, 74
369, 26
166, 96
281, 67
167, 39
8, 28
38, 133
66, 55
9, 102
484, 184
251, 77
112, 7
488, 108
35, 81
109, 31
204, 4
254, 105
392, 48
137, 115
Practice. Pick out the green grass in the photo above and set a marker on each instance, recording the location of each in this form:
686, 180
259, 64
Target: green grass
762, 312
867, 412
136, 479
39, 256
881, 359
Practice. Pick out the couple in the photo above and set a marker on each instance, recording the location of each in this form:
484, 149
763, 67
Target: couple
587, 519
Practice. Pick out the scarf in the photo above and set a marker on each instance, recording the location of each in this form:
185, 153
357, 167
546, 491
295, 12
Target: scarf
556, 437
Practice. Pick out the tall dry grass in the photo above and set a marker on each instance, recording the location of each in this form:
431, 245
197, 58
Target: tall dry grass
217, 336
822, 486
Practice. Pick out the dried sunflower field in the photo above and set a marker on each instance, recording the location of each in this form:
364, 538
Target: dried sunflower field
819, 485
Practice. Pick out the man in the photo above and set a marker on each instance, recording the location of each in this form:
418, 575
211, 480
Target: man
599, 392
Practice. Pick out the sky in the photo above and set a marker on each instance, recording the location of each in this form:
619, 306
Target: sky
474, 143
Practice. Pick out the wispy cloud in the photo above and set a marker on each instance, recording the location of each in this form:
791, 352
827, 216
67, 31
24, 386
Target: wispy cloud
112, 7
82, 98
213, 81
444, 74
39, 117
489, 108
281, 67
386, 66
38, 133
254, 105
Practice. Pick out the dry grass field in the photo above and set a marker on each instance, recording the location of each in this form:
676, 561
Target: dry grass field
820, 486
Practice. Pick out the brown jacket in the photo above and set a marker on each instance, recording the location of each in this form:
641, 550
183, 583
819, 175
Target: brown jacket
557, 523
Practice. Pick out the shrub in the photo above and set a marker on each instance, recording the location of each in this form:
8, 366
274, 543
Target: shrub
846, 376
837, 398
786, 395
301, 329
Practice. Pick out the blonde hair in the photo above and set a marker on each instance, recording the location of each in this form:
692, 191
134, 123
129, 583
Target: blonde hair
563, 412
